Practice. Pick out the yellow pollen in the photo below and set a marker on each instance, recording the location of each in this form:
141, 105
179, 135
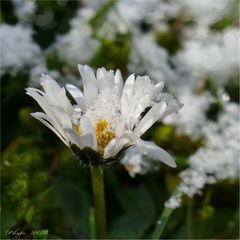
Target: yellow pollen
77, 128
104, 134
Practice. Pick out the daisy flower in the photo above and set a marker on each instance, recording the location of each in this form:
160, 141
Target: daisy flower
107, 117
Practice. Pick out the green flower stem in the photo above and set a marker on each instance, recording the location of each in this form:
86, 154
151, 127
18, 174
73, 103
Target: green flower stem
161, 223
99, 201
91, 220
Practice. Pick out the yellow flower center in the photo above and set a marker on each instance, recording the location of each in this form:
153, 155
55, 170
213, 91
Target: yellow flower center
104, 134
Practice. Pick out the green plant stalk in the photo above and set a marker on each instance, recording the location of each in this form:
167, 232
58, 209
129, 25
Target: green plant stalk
161, 223
205, 204
189, 219
99, 201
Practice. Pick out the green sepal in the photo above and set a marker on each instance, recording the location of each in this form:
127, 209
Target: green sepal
88, 157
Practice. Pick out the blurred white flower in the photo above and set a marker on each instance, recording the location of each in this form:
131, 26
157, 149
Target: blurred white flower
219, 160
77, 45
147, 56
24, 9
36, 72
153, 11
214, 55
192, 118
18, 49
135, 162
107, 117
206, 12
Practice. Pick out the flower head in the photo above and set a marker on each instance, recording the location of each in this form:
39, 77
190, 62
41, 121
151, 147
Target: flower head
107, 117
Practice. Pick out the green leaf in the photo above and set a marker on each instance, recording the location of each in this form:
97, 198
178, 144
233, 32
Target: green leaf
139, 213
128, 226
161, 223
74, 202
138, 201
214, 227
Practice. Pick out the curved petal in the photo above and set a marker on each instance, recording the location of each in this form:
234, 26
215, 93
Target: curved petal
89, 83
118, 82
63, 118
87, 127
50, 86
82, 141
77, 95
152, 150
156, 153
41, 100
44, 119
115, 146
126, 94
158, 88
172, 109
150, 118
105, 79
55, 94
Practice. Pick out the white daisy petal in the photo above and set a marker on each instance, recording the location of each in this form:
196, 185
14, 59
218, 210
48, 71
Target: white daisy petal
63, 118
158, 88
172, 109
126, 94
74, 137
56, 95
44, 119
118, 82
34, 93
88, 129
115, 146
105, 79
77, 95
89, 84
156, 153
150, 118
50, 86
